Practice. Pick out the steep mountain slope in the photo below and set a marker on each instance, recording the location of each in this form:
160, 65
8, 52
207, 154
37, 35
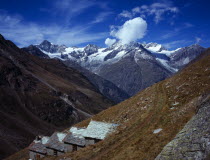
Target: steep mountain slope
185, 55
35, 51
134, 73
37, 95
107, 88
152, 118
126, 65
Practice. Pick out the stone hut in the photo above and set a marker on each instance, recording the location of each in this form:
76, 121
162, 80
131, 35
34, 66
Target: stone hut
97, 131
37, 148
55, 145
74, 142
75, 139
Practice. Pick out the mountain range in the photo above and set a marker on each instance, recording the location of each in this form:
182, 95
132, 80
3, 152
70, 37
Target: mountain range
126, 66
49, 87
168, 120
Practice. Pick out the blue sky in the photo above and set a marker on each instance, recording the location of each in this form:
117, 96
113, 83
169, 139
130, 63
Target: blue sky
174, 24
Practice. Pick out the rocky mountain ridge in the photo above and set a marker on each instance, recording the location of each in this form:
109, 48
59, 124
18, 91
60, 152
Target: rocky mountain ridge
107, 88
127, 66
168, 120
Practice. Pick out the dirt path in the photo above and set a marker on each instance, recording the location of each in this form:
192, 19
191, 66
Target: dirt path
71, 104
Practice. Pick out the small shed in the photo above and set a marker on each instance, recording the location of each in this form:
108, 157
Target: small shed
37, 148
74, 142
55, 145
97, 131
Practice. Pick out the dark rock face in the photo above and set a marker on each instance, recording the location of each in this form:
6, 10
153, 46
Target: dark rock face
75, 55
193, 141
39, 96
35, 51
107, 88
90, 49
131, 67
133, 76
161, 56
111, 55
49, 47
183, 56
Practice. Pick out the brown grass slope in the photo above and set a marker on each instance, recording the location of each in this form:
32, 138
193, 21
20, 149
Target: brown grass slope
168, 104
30, 102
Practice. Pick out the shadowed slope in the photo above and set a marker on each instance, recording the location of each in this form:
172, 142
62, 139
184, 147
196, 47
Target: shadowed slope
39, 96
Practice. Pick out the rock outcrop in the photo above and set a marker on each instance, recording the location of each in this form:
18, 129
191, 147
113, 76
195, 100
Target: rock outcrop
193, 141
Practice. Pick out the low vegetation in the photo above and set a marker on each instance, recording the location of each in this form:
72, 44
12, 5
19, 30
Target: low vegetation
166, 106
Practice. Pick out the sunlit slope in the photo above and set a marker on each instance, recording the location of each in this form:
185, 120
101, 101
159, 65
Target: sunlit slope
167, 105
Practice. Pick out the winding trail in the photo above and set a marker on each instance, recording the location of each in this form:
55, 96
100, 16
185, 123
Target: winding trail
65, 99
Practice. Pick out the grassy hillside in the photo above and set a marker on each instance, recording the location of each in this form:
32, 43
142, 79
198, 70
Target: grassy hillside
167, 105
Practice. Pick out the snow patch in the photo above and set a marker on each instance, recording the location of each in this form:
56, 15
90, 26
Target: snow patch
52, 55
166, 65
156, 48
61, 136
45, 139
157, 130
186, 60
144, 55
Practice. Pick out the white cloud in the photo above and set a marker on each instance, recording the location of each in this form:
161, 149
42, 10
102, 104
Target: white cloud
156, 9
25, 33
131, 30
69, 10
125, 14
71, 7
136, 10
198, 39
109, 41
101, 17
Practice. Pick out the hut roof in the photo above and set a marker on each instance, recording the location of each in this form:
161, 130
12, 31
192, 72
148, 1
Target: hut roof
99, 130
55, 141
74, 139
39, 146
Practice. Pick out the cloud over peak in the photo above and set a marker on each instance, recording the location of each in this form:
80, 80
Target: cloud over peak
131, 30
110, 41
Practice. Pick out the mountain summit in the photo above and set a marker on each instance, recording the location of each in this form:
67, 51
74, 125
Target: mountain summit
126, 65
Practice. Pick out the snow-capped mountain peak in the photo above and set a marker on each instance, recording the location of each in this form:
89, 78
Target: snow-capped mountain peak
49, 47
90, 49
93, 57
155, 47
